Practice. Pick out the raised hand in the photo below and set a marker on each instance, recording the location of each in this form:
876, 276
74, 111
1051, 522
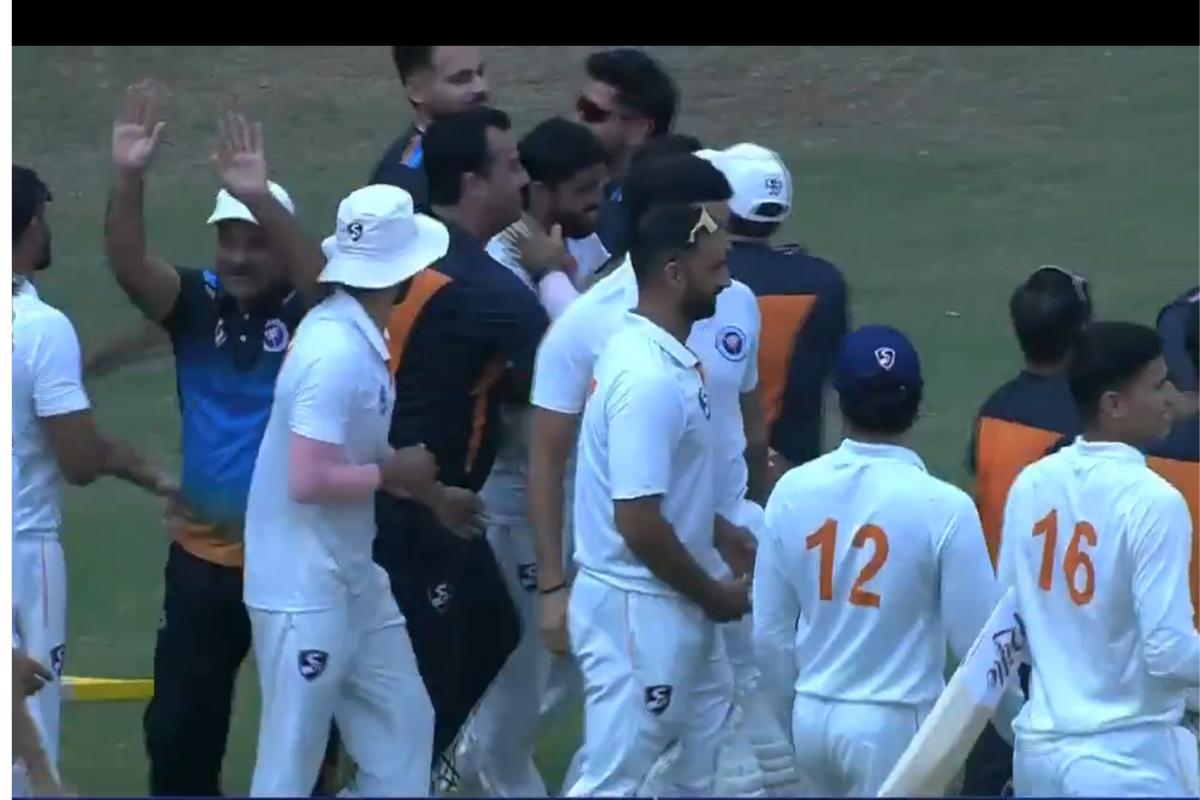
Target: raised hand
239, 156
137, 128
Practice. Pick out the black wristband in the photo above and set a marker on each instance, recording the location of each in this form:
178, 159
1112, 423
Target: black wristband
558, 587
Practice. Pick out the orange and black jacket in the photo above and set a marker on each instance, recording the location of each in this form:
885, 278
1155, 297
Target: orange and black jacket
466, 330
1172, 329
803, 300
1177, 459
1014, 428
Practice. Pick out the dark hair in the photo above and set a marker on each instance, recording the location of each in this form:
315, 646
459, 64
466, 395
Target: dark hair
1191, 339
456, 144
752, 229
686, 179
1106, 357
556, 150
411, 58
1047, 312
29, 198
887, 409
663, 230
669, 144
642, 84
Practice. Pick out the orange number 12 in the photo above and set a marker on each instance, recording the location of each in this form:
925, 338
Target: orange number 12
825, 537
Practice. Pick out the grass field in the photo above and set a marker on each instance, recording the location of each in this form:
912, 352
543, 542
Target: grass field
936, 178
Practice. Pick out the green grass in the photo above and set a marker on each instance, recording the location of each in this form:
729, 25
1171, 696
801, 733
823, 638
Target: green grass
936, 177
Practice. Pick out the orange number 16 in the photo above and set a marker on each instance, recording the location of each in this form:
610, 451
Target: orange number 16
1074, 560
825, 537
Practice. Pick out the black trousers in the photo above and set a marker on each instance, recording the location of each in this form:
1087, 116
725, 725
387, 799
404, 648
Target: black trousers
461, 618
202, 640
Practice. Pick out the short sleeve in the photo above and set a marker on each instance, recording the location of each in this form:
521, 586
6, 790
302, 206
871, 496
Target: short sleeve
324, 397
645, 423
561, 372
57, 367
754, 333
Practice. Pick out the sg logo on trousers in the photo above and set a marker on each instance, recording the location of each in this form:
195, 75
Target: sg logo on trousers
440, 596
312, 663
658, 698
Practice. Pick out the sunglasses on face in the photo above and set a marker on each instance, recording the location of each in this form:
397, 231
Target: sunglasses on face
590, 111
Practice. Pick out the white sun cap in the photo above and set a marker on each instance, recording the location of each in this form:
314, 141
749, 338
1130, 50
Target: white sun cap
380, 241
228, 207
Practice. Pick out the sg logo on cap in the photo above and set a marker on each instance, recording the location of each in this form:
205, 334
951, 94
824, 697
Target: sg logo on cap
355, 229
774, 185
886, 357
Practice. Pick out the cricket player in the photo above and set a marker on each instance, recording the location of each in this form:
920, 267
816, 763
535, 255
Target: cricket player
1096, 546
54, 440
879, 562
329, 639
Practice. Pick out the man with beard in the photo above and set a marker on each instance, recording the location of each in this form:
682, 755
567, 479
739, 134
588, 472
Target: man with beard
440, 79
566, 169
643, 607
54, 439
628, 100
462, 339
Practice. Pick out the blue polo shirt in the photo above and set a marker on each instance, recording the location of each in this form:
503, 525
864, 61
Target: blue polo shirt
226, 362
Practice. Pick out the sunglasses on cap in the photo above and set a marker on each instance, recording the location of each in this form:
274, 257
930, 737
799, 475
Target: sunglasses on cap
705, 224
1078, 282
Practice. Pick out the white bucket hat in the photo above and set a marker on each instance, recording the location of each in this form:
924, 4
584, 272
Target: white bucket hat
380, 241
228, 207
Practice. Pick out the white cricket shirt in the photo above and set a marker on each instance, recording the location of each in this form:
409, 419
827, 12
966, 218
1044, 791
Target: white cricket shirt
881, 561
47, 381
334, 387
726, 343
1097, 546
645, 432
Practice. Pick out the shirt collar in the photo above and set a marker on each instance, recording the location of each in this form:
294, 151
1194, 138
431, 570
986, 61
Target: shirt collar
1115, 451
347, 307
889, 452
673, 347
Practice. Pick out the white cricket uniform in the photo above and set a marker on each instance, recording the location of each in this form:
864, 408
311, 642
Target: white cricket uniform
498, 743
1097, 546
47, 381
878, 561
654, 666
329, 639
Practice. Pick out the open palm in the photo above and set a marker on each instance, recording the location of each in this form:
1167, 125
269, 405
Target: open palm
239, 155
137, 128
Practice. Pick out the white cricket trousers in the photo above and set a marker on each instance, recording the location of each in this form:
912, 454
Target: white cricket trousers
39, 620
848, 749
1144, 760
499, 742
655, 673
353, 664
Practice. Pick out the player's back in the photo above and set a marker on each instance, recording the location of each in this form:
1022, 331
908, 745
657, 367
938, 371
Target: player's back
1077, 526
869, 527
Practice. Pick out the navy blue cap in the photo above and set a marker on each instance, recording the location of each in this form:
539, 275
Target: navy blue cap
876, 356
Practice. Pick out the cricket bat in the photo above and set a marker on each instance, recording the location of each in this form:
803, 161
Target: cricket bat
941, 745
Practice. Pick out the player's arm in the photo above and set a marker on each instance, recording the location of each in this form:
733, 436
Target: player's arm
151, 283
757, 452
560, 384
143, 343
28, 677
776, 611
645, 423
242, 164
1161, 545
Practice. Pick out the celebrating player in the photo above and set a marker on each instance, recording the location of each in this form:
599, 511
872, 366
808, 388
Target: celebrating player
878, 561
1097, 548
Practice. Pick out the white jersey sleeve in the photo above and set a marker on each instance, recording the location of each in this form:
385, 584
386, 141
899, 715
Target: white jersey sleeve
776, 611
969, 591
645, 423
57, 367
754, 316
1160, 547
562, 371
323, 403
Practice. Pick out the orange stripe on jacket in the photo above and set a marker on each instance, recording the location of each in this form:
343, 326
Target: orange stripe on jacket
1185, 476
492, 372
425, 284
1002, 450
783, 316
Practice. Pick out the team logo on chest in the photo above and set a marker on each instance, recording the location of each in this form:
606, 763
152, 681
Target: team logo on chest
886, 357
312, 663
219, 333
702, 396
658, 698
275, 336
731, 343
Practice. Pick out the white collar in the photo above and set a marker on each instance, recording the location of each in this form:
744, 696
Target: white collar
660, 336
890, 452
343, 305
1115, 451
